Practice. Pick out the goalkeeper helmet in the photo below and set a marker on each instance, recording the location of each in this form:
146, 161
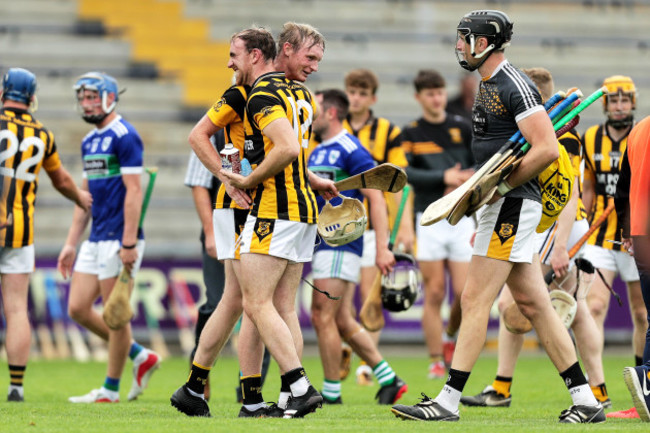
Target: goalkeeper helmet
18, 85
619, 85
104, 85
342, 224
399, 288
491, 24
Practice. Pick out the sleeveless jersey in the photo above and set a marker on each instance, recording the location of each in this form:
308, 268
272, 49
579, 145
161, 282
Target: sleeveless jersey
228, 113
26, 147
107, 154
338, 158
432, 148
503, 99
603, 158
287, 195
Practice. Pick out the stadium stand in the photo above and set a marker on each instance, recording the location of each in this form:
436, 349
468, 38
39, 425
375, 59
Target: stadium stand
171, 56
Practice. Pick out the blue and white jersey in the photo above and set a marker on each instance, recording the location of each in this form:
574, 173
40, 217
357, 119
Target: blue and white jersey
107, 154
338, 158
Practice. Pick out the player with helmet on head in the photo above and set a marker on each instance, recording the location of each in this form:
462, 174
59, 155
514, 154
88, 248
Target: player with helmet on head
112, 155
336, 263
605, 145
27, 147
507, 101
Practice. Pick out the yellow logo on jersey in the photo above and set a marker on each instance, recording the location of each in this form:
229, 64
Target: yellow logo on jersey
454, 134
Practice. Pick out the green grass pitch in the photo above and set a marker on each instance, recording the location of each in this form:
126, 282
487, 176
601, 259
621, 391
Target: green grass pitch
538, 398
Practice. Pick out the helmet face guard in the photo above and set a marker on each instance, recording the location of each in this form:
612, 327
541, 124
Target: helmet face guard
494, 25
619, 85
400, 287
104, 85
19, 85
342, 224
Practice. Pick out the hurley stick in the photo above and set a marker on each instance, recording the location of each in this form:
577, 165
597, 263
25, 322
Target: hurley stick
117, 308
371, 314
385, 177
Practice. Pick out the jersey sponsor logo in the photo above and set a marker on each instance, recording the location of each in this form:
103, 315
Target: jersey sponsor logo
249, 145
455, 135
479, 120
101, 166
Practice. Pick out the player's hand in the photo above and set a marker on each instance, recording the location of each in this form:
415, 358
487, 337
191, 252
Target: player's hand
210, 247
627, 244
325, 187
455, 176
240, 196
384, 260
65, 261
560, 262
85, 200
128, 258
237, 180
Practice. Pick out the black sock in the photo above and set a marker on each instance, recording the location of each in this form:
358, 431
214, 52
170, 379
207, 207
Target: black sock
251, 388
457, 379
638, 360
16, 374
284, 384
573, 376
198, 378
294, 375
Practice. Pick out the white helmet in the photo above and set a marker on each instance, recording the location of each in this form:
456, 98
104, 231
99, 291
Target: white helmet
342, 224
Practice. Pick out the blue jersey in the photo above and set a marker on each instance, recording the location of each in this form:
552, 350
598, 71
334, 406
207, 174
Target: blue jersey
340, 157
107, 154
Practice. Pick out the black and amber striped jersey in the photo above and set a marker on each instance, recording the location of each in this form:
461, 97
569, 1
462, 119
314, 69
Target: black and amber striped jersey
382, 139
26, 147
228, 113
287, 195
603, 158
573, 145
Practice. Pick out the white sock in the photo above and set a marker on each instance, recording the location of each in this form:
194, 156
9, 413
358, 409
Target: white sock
299, 387
254, 407
582, 395
283, 399
449, 398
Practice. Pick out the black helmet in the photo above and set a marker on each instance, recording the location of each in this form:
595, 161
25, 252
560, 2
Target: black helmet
491, 24
399, 288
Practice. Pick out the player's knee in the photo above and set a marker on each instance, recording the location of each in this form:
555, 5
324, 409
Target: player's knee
598, 308
320, 317
640, 316
77, 312
434, 296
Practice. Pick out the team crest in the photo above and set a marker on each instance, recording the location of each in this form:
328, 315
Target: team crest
106, 143
454, 134
263, 228
217, 105
506, 231
333, 156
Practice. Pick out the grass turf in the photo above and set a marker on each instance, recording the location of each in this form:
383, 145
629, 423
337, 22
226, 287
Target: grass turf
538, 397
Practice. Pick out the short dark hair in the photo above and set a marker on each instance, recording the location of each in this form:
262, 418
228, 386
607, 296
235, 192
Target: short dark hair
257, 38
428, 79
335, 98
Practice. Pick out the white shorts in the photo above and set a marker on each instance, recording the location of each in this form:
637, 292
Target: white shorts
442, 241
506, 230
228, 225
17, 260
545, 242
103, 259
343, 265
617, 261
290, 240
369, 255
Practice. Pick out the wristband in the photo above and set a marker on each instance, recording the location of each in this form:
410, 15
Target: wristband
504, 188
128, 247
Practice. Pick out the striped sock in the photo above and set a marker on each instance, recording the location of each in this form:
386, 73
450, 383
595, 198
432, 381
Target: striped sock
384, 374
112, 384
135, 350
331, 389
16, 374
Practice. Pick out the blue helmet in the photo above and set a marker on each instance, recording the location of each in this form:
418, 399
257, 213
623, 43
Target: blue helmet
18, 85
105, 85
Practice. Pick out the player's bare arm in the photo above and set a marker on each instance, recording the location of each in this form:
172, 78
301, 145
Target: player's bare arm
285, 149
384, 258
132, 206
80, 220
203, 205
326, 187
199, 140
63, 182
